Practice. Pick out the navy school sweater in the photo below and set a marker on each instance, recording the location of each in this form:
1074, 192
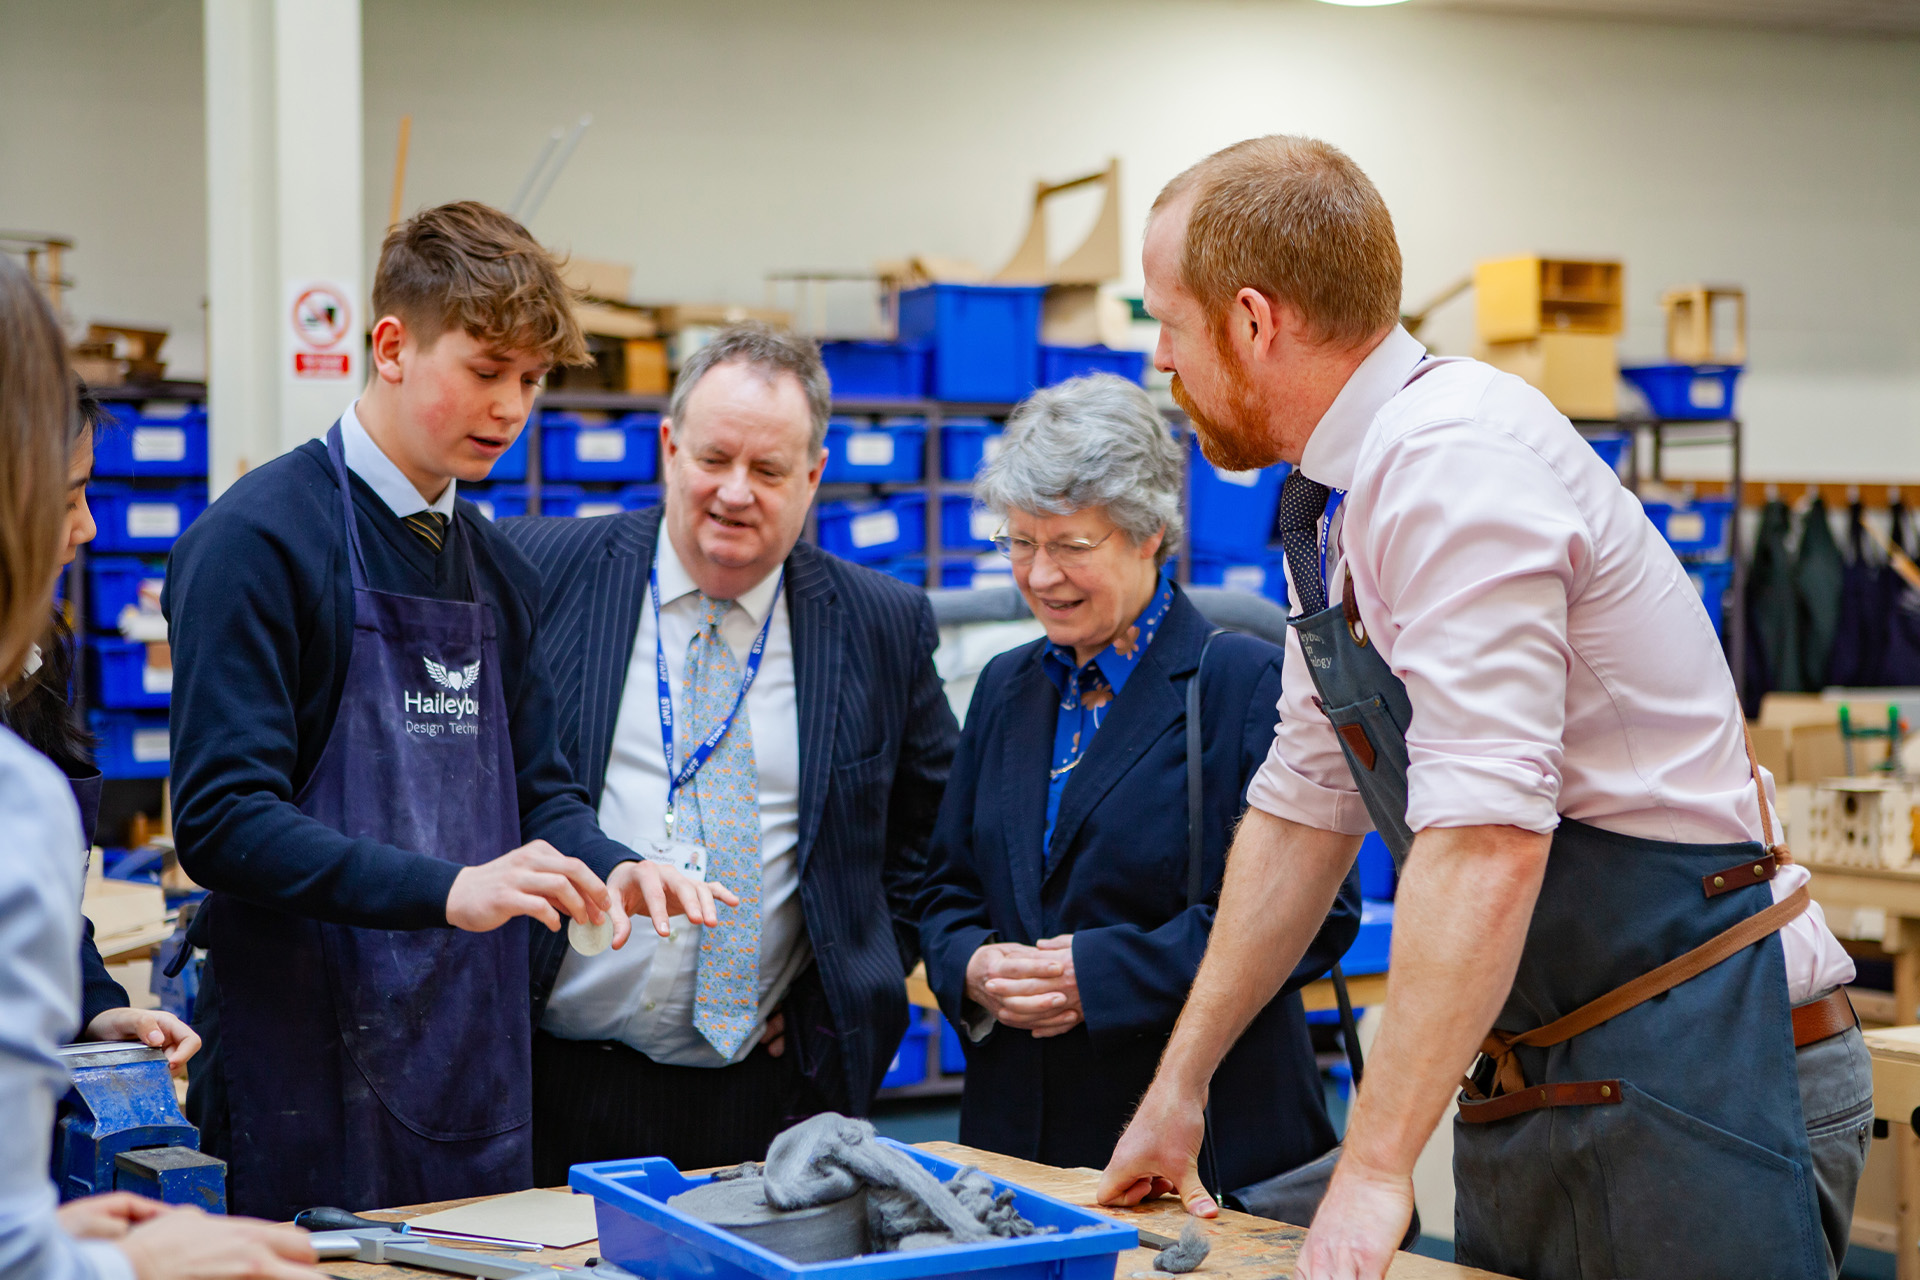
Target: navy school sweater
259, 605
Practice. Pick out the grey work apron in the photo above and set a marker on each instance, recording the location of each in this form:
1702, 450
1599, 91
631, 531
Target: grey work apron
1668, 1139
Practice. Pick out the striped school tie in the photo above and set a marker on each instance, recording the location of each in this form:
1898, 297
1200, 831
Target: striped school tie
431, 526
722, 812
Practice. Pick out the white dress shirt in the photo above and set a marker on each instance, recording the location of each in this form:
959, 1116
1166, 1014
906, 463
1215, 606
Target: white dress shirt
366, 460
1558, 660
41, 876
642, 994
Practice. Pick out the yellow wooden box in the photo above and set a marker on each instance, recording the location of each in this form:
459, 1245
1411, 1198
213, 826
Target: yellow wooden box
1520, 298
1579, 372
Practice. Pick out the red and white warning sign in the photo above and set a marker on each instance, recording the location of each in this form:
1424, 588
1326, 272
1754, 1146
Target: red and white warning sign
321, 317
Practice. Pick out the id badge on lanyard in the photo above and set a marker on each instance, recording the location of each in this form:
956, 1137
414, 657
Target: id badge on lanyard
679, 778
1337, 496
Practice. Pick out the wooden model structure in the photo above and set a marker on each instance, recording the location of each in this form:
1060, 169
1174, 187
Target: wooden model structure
1690, 327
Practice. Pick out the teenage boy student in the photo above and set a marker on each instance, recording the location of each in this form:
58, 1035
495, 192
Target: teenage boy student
365, 769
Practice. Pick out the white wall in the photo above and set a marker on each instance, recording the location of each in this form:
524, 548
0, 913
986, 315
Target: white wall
733, 138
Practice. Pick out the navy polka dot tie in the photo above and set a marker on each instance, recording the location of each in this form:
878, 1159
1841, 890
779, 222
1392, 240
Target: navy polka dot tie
1302, 503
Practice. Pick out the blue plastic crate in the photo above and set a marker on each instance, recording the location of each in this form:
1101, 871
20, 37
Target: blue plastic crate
970, 572
877, 370
1696, 530
1378, 879
1232, 510
860, 451
911, 570
909, 1065
572, 447
114, 583
560, 499
155, 442
965, 527
871, 531
131, 745
142, 520
1368, 954
1057, 364
986, 338
1260, 575
1688, 392
122, 678
953, 1054
1612, 448
497, 501
638, 1230
1713, 579
512, 466
967, 444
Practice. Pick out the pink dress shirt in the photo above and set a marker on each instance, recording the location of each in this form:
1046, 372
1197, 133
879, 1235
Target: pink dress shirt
1557, 658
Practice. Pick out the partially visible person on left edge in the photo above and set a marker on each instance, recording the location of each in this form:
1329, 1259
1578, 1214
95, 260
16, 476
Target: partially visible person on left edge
1055, 918
791, 698
37, 708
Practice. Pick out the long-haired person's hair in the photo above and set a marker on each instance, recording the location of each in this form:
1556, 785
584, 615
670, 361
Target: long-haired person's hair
36, 413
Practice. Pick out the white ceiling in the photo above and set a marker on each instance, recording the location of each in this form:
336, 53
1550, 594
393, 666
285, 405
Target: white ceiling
1891, 17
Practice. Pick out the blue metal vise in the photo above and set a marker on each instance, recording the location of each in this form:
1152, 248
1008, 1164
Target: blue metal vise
120, 1129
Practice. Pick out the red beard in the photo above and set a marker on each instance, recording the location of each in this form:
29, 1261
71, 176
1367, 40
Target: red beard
1239, 442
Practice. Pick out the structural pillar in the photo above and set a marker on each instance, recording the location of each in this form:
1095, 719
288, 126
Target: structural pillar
285, 246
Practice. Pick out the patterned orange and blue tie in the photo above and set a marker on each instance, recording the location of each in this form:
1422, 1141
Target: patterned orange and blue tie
721, 810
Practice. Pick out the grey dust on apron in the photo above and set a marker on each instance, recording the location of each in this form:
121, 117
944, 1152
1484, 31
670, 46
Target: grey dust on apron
1665, 1140
375, 1067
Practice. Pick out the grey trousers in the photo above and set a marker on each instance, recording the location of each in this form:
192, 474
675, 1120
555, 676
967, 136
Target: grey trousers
1836, 1096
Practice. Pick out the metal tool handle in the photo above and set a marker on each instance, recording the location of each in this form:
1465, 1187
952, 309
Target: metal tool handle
326, 1219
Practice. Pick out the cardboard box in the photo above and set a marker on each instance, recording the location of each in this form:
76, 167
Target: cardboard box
119, 908
1520, 298
613, 321
1818, 753
607, 281
1771, 749
644, 367
1579, 372
713, 315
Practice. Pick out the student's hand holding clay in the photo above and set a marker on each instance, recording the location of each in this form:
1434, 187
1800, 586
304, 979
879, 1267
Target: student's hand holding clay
534, 880
1031, 988
661, 892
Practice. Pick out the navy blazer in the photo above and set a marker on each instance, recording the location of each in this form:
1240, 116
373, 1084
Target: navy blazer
1117, 881
876, 740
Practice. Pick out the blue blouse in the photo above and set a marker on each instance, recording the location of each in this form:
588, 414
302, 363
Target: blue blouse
1086, 692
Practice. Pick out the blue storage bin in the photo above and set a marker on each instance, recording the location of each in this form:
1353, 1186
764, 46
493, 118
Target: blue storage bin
1260, 575
1713, 579
122, 680
877, 370
1057, 364
1687, 392
1368, 954
497, 501
560, 499
864, 452
139, 520
1378, 879
967, 444
638, 1230
114, 583
963, 526
130, 745
969, 572
953, 1054
909, 1065
1698, 529
573, 447
986, 338
155, 442
911, 570
1612, 448
871, 531
1232, 510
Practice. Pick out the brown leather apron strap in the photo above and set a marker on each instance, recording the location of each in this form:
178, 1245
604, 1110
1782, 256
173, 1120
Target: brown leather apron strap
1570, 1093
1501, 1044
1778, 848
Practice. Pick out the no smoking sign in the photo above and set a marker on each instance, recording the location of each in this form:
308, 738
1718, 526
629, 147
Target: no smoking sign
321, 318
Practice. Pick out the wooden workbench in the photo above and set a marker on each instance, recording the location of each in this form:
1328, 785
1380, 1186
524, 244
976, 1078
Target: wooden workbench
1244, 1247
1859, 903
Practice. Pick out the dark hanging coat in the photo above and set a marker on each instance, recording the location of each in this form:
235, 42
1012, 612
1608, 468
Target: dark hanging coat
1773, 612
1900, 604
1818, 578
1860, 639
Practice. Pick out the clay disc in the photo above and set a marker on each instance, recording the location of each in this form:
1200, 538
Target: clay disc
590, 939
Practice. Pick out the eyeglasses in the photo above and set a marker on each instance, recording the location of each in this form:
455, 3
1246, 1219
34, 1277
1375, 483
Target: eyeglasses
1067, 552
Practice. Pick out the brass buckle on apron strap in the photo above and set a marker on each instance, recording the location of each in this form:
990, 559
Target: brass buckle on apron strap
1499, 1046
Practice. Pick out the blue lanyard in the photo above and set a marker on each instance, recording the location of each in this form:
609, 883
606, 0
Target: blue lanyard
680, 778
1326, 532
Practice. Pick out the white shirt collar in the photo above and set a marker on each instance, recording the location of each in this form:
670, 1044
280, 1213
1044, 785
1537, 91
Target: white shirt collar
1334, 446
676, 582
366, 460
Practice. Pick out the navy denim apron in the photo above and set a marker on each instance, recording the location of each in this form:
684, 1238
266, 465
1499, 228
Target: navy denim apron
374, 1067
1665, 1141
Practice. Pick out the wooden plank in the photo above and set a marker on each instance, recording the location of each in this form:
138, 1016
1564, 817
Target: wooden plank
1244, 1247
1364, 989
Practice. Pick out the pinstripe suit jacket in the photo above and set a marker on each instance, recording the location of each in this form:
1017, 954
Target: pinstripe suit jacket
876, 739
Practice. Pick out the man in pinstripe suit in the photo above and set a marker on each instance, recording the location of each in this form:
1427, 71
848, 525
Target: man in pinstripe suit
808, 684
